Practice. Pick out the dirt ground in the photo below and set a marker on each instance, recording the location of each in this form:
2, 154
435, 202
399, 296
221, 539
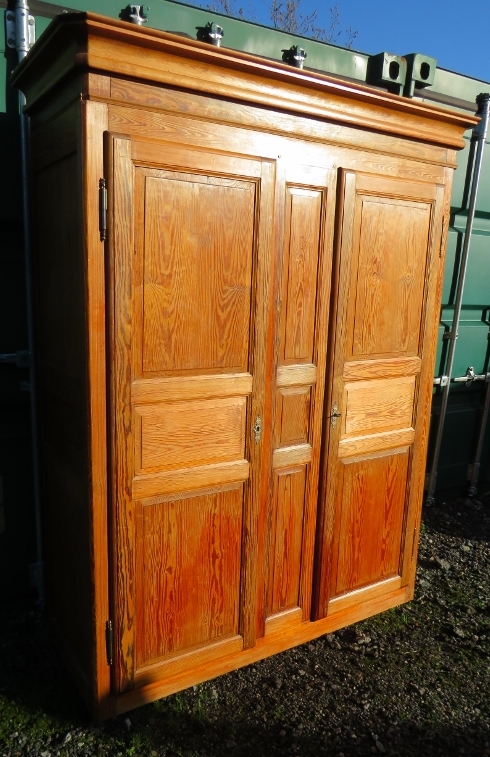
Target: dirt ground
412, 681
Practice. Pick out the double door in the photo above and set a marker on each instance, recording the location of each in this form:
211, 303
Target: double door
267, 322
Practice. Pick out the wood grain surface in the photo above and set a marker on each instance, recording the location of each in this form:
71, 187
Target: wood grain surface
190, 336
372, 407
371, 520
188, 570
197, 272
300, 383
385, 262
181, 434
286, 539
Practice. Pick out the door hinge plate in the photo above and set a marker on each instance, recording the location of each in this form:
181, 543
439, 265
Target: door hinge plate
109, 641
102, 210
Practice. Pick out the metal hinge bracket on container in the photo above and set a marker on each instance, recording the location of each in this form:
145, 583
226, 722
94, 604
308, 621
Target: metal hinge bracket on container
22, 358
20, 28
102, 210
135, 14
109, 642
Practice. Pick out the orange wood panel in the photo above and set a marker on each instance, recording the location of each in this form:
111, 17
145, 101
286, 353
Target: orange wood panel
296, 375
93, 125
363, 445
192, 659
303, 220
387, 238
286, 635
301, 368
371, 513
283, 620
393, 238
391, 367
162, 483
372, 407
352, 599
296, 454
191, 387
188, 567
150, 98
194, 288
286, 539
197, 272
293, 415
181, 434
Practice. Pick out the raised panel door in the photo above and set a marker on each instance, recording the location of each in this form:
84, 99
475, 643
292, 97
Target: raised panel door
308, 193
190, 268
387, 244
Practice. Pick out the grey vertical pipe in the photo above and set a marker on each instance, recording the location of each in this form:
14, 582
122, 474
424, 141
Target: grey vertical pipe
22, 46
479, 135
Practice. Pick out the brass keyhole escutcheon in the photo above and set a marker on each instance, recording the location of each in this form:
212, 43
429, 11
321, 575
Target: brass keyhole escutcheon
335, 414
257, 429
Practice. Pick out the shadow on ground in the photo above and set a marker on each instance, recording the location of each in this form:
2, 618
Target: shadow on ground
412, 681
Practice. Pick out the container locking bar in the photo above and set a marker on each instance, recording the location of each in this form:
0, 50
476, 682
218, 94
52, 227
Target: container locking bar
469, 377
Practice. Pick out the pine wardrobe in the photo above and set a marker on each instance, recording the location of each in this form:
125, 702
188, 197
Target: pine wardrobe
238, 269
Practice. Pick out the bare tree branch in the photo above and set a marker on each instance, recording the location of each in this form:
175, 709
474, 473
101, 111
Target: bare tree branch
286, 16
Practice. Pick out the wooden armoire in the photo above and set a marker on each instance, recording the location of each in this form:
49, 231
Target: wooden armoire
238, 269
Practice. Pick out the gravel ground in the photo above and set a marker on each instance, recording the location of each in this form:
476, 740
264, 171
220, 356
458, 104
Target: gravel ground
412, 681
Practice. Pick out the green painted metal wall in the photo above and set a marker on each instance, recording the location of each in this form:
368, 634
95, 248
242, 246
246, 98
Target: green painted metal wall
18, 539
17, 542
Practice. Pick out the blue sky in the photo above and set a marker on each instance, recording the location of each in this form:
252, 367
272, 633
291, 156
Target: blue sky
457, 34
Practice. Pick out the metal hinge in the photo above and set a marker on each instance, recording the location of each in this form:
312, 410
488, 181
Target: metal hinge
102, 210
109, 642
20, 28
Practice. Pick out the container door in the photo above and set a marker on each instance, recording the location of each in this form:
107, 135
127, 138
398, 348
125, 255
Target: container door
190, 257
379, 400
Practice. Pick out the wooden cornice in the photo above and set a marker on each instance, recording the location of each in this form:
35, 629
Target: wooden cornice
80, 42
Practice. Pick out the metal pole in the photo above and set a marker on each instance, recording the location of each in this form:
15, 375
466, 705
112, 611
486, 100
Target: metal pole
479, 136
23, 41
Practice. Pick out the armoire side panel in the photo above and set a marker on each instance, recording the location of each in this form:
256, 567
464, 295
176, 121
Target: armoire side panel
62, 377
